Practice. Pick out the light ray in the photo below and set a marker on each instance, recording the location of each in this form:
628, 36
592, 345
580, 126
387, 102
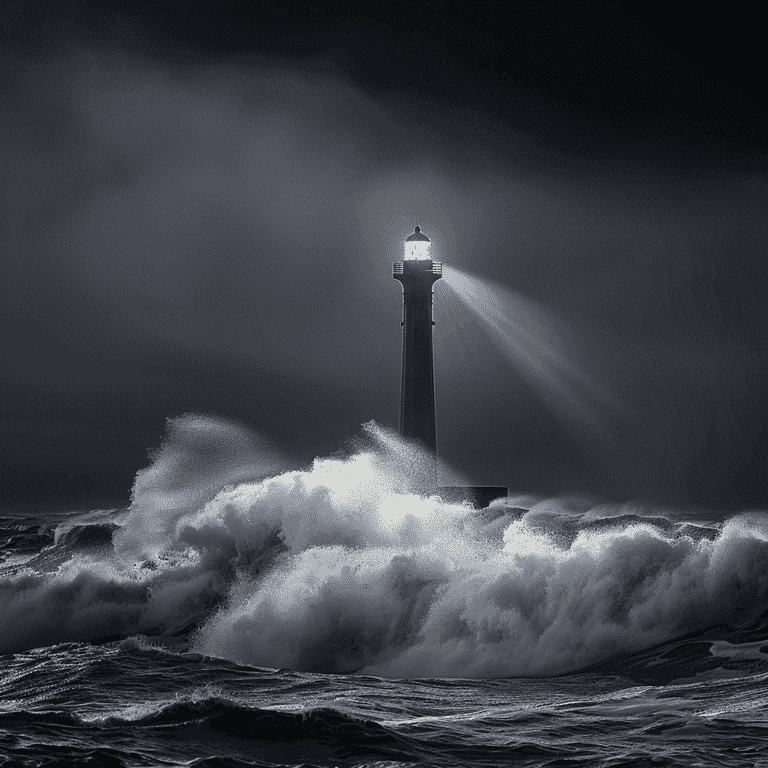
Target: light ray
538, 346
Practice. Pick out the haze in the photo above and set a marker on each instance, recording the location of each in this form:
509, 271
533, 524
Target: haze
188, 231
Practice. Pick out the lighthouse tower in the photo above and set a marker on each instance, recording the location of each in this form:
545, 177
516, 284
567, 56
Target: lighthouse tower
418, 273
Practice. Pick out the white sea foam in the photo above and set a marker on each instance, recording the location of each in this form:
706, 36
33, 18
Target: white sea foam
344, 566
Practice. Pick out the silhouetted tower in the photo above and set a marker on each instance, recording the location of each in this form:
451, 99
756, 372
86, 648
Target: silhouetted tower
418, 273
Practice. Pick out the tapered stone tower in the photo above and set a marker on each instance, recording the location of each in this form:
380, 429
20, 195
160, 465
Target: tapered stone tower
418, 273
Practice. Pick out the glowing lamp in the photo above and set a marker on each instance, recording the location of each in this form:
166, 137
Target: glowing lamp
417, 247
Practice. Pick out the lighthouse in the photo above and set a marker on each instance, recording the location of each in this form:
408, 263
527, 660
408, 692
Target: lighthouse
417, 273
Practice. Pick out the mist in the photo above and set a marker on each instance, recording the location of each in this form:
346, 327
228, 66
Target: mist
213, 233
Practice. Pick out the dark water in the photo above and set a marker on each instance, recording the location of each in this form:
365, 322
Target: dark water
235, 614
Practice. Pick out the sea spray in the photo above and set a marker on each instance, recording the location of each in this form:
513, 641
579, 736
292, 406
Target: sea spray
343, 567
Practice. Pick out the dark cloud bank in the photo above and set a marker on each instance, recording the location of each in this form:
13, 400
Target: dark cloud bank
204, 222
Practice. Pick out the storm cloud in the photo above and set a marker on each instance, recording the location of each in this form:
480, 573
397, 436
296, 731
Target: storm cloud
214, 234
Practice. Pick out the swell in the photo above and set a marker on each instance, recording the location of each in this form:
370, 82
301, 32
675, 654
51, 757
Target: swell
718, 651
23, 537
220, 715
216, 725
221, 727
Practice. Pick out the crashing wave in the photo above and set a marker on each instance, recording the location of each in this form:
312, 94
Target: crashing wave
345, 567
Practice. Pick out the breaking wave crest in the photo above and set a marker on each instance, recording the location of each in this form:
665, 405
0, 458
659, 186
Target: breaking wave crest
347, 567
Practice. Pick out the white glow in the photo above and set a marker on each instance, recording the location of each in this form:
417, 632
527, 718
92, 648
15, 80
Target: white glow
417, 249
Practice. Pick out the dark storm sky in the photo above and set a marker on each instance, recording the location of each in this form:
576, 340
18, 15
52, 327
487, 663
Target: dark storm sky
202, 201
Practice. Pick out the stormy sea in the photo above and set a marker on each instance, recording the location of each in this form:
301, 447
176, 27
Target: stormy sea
239, 612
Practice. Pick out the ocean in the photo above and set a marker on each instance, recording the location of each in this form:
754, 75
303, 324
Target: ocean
236, 613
